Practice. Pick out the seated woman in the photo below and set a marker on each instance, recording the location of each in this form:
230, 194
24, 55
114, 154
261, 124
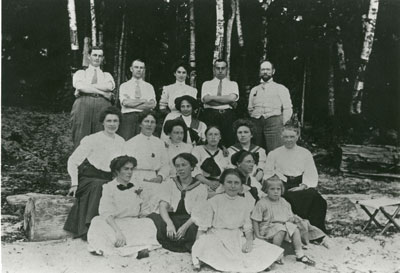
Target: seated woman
295, 165
225, 236
244, 131
173, 91
151, 155
176, 130
179, 197
196, 129
119, 229
245, 162
212, 160
89, 169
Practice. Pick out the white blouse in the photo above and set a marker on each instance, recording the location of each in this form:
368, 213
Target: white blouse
150, 153
193, 198
292, 162
99, 149
175, 149
200, 153
173, 91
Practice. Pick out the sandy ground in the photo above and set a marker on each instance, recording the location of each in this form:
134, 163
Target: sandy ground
354, 253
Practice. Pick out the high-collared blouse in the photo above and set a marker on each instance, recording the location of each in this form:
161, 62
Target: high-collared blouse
99, 149
173, 91
292, 162
150, 153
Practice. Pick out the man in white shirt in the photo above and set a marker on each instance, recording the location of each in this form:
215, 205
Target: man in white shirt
218, 96
93, 91
270, 107
135, 96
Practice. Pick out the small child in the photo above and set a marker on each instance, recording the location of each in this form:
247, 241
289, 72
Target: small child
273, 219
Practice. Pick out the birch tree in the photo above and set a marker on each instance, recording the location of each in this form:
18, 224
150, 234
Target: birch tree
229, 35
331, 84
265, 5
365, 53
73, 32
239, 25
85, 52
93, 21
192, 52
219, 35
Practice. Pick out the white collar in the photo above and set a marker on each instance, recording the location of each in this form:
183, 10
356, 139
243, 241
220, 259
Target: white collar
92, 68
180, 83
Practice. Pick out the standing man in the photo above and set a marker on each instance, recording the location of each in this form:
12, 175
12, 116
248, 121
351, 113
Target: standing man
93, 92
135, 96
270, 108
218, 96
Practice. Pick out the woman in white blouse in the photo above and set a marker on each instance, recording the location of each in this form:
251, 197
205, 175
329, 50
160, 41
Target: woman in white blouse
89, 169
180, 196
225, 235
151, 155
178, 89
295, 166
212, 160
121, 228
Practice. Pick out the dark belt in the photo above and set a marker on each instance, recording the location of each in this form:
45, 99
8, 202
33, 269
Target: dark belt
293, 181
221, 111
92, 95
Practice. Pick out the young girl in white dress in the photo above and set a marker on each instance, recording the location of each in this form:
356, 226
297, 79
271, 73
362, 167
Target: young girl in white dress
273, 220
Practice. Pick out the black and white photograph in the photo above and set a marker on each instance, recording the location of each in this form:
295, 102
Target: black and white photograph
187, 136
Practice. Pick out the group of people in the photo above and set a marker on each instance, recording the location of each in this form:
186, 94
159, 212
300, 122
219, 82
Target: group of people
229, 191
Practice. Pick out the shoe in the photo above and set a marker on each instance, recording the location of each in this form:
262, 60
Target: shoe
97, 252
306, 260
144, 253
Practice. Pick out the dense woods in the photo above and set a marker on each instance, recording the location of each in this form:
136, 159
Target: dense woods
336, 60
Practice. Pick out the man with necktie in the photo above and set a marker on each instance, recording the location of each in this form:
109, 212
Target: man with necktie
270, 107
218, 96
93, 92
135, 96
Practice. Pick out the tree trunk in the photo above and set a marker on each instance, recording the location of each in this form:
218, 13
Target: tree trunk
45, 217
331, 84
93, 21
239, 24
101, 24
229, 36
306, 74
219, 35
192, 53
340, 54
73, 32
85, 53
120, 52
265, 5
366, 52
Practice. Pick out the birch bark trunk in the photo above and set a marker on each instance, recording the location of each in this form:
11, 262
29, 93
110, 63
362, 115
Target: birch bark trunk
73, 33
192, 53
229, 28
93, 21
219, 35
239, 25
358, 90
265, 5
331, 84
85, 52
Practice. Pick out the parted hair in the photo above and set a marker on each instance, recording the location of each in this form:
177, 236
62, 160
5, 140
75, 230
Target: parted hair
243, 122
188, 157
95, 48
230, 171
268, 182
178, 64
146, 113
120, 161
110, 110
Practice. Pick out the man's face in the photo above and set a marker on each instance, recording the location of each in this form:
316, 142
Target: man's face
137, 69
220, 70
266, 71
96, 57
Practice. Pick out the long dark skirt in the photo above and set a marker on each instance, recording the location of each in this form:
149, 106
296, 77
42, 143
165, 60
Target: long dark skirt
184, 244
87, 199
308, 204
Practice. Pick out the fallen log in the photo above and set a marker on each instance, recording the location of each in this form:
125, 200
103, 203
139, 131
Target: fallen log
19, 200
45, 216
371, 160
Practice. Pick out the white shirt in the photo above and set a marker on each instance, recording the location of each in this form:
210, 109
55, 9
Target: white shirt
99, 149
175, 149
292, 162
200, 153
150, 153
173, 91
211, 88
270, 99
86, 76
127, 91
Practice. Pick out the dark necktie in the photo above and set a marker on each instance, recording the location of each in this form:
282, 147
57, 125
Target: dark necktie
124, 187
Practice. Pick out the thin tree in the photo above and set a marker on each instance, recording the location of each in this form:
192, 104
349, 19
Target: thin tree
239, 25
73, 32
219, 35
265, 5
192, 52
365, 53
93, 21
101, 23
229, 35
85, 52
331, 84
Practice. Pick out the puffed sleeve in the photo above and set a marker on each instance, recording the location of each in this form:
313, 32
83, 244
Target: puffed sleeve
310, 175
107, 205
77, 157
270, 168
164, 98
257, 212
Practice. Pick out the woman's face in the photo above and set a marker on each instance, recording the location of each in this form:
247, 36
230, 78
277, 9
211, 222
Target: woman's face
176, 134
111, 123
232, 185
274, 190
244, 134
125, 173
289, 138
183, 168
148, 125
186, 108
213, 136
180, 74
247, 164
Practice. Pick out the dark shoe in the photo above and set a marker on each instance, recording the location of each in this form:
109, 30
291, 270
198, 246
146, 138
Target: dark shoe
144, 253
306, 260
